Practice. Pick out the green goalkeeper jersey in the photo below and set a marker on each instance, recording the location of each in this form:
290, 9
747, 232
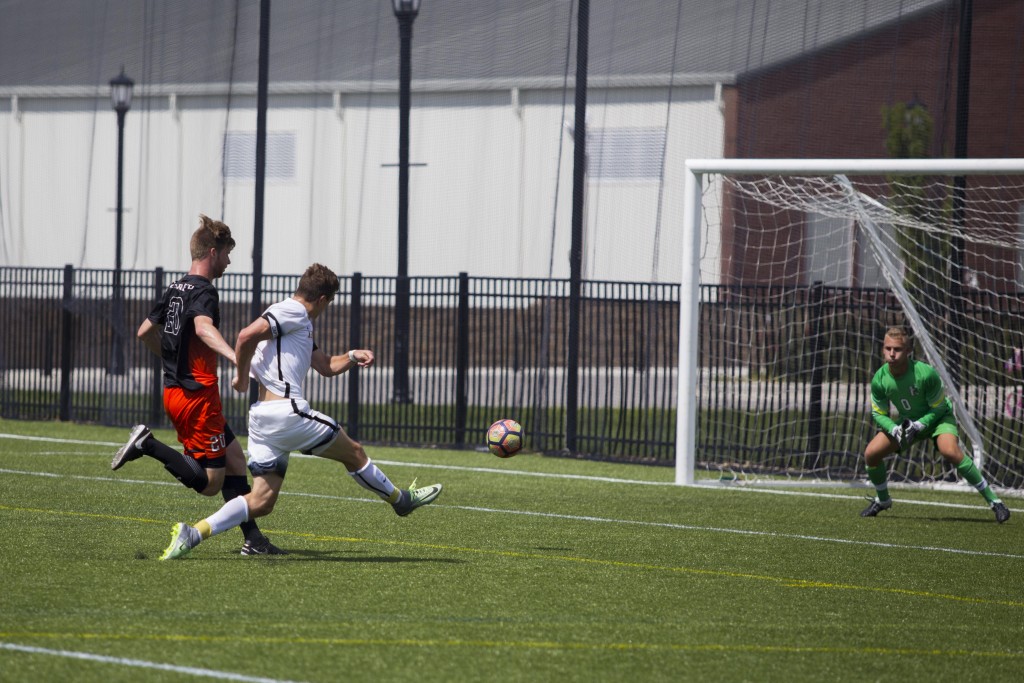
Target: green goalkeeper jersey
917, 394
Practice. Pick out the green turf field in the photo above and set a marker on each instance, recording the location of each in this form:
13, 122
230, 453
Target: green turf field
527, 569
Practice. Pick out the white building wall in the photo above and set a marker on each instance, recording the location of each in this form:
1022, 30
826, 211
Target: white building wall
493, 196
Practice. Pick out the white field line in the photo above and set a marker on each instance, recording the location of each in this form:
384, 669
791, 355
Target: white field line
83, 477
548, 475
684, 527
582, 518
748, 488
50, 439
746, 532
577, 518
141, 664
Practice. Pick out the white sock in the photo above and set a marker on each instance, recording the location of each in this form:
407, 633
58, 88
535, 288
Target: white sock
372, 479
230, 515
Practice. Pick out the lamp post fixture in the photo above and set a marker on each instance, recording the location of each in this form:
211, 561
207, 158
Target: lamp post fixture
121, 100
405, 12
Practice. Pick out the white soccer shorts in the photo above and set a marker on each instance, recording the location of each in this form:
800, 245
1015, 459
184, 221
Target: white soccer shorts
276, 428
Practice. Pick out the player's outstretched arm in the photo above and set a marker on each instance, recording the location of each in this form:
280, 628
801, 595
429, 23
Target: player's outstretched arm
329, 366
245, 346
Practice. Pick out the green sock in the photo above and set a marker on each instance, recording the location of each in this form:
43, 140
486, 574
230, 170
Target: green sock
879, 475
969, 471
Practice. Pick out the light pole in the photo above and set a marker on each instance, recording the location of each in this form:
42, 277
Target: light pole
405, 12
121, 100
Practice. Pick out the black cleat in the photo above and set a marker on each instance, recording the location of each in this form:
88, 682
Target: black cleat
1002, 512
875, 507
262, 546
131, 450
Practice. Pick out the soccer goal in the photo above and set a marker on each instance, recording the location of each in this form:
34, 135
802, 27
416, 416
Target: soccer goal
797, 267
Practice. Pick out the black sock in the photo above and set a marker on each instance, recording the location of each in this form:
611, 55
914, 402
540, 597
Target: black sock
238, 485
182, 467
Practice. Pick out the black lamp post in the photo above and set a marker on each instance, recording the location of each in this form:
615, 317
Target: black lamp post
121, 100
405, 12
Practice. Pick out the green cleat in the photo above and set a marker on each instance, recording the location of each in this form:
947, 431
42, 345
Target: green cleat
413, 498
183, 539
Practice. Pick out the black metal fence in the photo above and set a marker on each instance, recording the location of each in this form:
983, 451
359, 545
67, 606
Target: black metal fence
783, 375
480, 349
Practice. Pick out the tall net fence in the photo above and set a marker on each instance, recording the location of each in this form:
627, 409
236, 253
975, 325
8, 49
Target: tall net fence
492, 137
482, 348
491, 122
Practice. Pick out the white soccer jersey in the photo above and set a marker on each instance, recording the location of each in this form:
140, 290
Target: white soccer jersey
281, 363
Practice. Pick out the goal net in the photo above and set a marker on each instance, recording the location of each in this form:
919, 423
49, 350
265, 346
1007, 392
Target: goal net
797, 269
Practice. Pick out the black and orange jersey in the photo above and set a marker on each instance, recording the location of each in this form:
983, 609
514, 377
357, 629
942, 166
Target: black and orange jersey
188, 362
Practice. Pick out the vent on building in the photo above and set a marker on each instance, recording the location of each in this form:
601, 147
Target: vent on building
240, 156
625, 153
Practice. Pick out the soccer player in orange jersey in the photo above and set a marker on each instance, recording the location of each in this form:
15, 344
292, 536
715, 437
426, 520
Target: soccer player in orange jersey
182, 330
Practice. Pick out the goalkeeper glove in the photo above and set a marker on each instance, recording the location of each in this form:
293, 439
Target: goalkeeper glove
911, 429
897, 433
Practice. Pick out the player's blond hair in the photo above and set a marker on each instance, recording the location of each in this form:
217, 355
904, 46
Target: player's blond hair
899, 333
317, 281
210, 234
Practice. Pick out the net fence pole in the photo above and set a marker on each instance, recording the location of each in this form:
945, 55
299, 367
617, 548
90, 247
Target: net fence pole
572, 368
262, 95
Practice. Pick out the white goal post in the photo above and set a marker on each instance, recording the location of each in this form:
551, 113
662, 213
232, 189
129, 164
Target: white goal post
913, 221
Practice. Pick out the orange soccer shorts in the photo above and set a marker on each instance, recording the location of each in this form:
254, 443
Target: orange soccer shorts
199, 420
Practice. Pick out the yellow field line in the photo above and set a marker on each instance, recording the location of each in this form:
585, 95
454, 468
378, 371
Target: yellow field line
93, 515
519, 644
779, 580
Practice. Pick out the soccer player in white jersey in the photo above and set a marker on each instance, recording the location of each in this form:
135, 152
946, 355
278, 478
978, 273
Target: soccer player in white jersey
278, 349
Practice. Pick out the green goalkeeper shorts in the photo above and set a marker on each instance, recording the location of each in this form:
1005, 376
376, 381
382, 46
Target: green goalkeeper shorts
947, 425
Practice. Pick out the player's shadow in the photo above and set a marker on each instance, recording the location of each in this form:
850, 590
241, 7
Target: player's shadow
342, 556
969, 520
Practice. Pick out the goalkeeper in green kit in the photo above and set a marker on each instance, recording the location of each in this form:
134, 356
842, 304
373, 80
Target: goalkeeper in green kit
916, 391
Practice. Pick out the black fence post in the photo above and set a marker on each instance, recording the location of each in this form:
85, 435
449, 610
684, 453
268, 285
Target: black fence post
67, 343
462, 362
156, 382
355, 341
579, 180
817, 375
963, 105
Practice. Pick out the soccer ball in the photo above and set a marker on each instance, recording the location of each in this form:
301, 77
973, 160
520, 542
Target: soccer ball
505, 438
